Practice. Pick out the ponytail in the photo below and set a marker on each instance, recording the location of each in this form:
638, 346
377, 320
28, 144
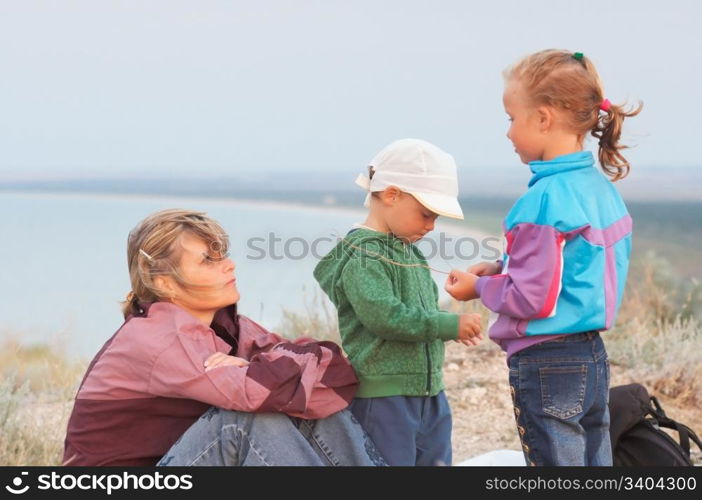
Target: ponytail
130, 306
570, 82
608, 131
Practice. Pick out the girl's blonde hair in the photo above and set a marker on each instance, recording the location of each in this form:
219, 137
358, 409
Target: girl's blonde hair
569, 82
153, 249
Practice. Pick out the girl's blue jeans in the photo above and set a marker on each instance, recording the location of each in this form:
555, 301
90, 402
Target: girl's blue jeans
560, 391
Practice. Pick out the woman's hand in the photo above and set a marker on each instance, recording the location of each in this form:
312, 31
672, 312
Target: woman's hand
485, 268
220, 359
461, 285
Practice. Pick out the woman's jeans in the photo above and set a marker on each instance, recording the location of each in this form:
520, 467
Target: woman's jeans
224, 437
560, 390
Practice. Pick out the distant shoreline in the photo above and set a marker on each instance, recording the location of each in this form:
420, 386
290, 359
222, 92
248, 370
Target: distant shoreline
643, 185
445, 225
263, 203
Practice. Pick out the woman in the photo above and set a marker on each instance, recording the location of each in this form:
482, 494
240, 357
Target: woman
188, 381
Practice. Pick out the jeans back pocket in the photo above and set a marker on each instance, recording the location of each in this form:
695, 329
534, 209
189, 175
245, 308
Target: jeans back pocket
563, 390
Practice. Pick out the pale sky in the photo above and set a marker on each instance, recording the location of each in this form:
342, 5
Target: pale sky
108, 87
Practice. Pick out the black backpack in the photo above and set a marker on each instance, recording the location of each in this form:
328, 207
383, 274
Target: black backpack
635, 430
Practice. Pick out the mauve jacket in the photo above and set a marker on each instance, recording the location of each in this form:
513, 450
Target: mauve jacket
148, 383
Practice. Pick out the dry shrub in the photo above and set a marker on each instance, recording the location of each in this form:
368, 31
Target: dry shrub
657, 340
37, 385
318, 321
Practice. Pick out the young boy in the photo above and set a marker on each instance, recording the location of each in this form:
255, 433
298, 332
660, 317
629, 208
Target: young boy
387, 304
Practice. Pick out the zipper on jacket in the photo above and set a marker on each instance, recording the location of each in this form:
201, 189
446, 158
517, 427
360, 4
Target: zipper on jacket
428, 391
426, 346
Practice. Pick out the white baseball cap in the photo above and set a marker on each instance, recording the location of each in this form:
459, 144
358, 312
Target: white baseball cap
419, 168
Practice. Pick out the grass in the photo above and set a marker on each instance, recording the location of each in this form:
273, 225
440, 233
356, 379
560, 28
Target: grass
658, 334
37, 385
318, 319
656, 342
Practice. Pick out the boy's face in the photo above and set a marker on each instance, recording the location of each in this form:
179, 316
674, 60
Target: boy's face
408, 219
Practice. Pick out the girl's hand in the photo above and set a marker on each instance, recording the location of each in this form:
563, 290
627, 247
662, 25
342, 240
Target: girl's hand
461, 285
220, 359
469, 329
485, 268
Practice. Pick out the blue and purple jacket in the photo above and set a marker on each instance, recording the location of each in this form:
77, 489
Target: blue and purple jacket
568, 241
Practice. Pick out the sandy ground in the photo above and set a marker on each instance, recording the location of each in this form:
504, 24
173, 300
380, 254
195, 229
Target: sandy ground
483, 416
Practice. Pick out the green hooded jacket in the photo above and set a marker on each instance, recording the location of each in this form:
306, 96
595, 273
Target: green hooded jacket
389, 320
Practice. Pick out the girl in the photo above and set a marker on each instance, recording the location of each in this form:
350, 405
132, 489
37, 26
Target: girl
568, 240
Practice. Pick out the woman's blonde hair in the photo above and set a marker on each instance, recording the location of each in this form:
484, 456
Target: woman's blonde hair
153, 249
569, 82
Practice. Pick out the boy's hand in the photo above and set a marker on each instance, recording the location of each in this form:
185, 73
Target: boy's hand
469, 329
220, 359
485, 268
461, 285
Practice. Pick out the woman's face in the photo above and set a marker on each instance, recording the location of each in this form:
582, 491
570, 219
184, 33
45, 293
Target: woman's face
210, 279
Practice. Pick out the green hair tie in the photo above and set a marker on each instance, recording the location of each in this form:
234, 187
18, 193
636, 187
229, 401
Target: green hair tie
578, 56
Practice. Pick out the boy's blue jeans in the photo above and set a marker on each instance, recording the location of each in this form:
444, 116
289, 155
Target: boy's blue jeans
225, 437
560, 390
408, 430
